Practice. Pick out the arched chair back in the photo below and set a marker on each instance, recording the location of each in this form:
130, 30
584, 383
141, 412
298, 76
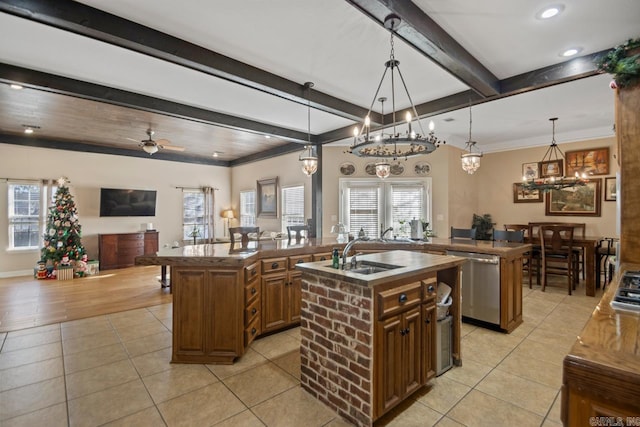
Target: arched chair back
244, 234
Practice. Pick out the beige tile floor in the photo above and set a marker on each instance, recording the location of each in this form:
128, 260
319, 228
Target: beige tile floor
114, 370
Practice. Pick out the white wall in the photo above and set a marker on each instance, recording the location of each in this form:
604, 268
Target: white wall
89, 172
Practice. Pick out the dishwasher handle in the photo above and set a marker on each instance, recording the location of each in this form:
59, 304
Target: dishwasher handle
493, 261
476, 257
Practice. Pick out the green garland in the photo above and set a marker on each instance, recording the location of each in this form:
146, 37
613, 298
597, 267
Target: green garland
625, 69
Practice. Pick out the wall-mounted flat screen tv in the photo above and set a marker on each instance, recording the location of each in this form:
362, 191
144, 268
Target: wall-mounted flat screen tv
121, 202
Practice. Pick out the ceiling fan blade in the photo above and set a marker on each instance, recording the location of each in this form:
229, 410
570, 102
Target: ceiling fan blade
134, 140
163, 141
172, 147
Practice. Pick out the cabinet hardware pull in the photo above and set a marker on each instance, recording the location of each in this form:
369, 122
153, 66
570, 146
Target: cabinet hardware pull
274, 265
430, 288
253, 331
402, 298
299, 261
427, 321
253, 272
255, 310
406, 331
253, 291
323, 258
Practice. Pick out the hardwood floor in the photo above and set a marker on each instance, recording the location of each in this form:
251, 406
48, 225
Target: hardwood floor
26, 302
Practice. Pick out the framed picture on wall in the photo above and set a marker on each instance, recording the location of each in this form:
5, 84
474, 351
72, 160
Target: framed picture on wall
581, 200
267, 198
610, 191
530, 171
522, 195
551, 168
591, 162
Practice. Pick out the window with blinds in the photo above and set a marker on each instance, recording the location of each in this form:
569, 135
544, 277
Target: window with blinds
25, 214
374, 205
193, 215
248, 208
292, 206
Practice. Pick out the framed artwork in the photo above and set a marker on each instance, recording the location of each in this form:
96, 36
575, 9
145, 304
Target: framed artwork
591, 162
521, 195
550, 168
267, 198
370, 169
581, 200
397, 169
610, 191
530, 171
422, 168
347, 168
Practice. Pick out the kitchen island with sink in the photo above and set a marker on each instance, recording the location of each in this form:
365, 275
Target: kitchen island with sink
368, 329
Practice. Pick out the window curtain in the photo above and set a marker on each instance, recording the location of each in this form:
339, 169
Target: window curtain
209, 204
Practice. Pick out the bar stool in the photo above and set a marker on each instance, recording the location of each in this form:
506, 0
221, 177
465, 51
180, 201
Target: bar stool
298, 229
244, 234
605, 254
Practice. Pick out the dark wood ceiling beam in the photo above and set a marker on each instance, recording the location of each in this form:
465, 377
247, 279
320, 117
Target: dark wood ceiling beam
55, 144
77, 88
428, 38
266, 154
90, 22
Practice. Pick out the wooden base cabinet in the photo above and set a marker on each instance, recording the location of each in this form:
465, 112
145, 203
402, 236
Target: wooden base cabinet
120, 250
281, 292
207, 315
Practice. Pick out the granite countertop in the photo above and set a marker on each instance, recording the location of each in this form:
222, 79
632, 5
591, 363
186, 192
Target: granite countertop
610, 340
411, 263
225, 254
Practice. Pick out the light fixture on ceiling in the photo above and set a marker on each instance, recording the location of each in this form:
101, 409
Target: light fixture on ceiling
553, 160
470, 160
29, 129
150, 148
16, 86
215, 154
550, 11
308, 157
571, 52
395, 145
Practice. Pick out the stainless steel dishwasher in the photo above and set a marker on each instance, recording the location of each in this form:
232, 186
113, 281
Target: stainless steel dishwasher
480, 286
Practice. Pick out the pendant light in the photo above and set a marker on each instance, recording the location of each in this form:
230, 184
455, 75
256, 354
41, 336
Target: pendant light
308, 157
470, 160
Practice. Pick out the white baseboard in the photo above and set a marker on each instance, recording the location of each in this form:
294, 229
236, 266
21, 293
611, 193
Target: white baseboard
17, 273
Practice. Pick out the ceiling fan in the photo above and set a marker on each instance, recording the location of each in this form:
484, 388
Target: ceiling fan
150, 146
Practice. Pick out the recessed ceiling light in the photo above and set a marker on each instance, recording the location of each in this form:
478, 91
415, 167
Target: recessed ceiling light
571, 52
16, 86
550, 11
215, 154
267, 136
28, 130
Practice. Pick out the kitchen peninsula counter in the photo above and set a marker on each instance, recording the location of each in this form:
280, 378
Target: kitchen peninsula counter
601, 373
224, 295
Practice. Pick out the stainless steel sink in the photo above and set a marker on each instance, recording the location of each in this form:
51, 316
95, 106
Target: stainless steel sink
367, 267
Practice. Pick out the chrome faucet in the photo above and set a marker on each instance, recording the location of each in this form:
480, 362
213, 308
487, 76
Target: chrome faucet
385, 232
347, 248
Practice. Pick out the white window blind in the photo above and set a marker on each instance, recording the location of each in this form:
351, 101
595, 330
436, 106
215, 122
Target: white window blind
26, 213
375, 205
193, 215
248, 208
363, 210
292, 206
406, 203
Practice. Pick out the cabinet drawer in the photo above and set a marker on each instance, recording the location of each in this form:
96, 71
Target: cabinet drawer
250, 272
399, 299
252, 331
126, 244
429, 287
293, 260
273, 265
324, 256
251, 311
252, 291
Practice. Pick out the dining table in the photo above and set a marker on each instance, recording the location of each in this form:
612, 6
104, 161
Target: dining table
588, 244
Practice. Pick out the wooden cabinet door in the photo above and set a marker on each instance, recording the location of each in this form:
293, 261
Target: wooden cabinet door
429, 356
150, 242
388, 351
108, 251
274, 301
295, 296
411, 350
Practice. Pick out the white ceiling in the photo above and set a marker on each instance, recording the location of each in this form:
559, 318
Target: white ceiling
342, 51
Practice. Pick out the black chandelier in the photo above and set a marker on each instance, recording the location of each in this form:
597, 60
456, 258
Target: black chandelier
393, 145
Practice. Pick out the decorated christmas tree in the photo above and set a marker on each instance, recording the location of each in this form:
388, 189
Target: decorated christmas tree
62, 233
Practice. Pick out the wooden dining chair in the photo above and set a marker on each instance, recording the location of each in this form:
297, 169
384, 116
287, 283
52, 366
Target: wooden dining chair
297, 229
244, 234
463, 233
531, 259
556, 247
508, 236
